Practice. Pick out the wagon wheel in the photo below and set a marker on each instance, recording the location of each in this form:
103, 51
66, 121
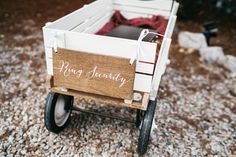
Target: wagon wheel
139, 117
57, 111
146, 127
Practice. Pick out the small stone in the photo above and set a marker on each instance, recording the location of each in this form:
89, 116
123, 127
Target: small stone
212, 54
129, 154
181, 50
23, 152
93, 149
230, 63
37, 152
21, 141
192, 40
233, 90
190, 50
10, 139
3, 132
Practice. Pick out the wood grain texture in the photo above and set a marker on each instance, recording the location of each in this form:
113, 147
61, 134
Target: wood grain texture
142, 105
157, 4
49, 81
90, 21
160, 66
97, 74
108, 46
142, 82
140, 10
77, 17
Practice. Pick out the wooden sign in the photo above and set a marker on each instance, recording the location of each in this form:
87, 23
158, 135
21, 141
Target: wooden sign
98, 74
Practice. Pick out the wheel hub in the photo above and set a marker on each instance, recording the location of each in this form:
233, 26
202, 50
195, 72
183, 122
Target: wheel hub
60, 114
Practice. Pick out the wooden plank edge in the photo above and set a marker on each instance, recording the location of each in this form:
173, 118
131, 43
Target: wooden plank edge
49, 81
145, 100
102, 99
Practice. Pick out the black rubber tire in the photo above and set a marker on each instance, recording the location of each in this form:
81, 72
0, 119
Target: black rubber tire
144, 134
139, 117
50, 108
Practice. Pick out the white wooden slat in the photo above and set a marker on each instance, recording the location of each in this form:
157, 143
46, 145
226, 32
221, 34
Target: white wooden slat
167, 51
49, 65
164, 53
131, 15
162, 59
171, 26
142, 82
175, 8
91, 21
145, 68
154, 4
172, 20
77, 17
48, 52
49, 36
160, 66
99, 24
142, 10
109, 46
168, 26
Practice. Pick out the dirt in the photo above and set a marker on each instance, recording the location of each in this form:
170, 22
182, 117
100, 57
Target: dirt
39, 12
196, 108
13, 12
225, 38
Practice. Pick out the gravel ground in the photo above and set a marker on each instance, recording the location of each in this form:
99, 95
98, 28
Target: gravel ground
195, 116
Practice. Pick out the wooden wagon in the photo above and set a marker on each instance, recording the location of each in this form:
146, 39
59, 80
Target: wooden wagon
85, 65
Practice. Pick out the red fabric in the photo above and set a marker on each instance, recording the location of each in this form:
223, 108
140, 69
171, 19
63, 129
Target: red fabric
156, 22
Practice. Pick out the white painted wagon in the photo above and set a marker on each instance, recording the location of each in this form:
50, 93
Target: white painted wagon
80, 63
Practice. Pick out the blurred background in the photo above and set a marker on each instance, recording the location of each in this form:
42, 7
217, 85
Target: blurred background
193, 14
196, 113
201, 10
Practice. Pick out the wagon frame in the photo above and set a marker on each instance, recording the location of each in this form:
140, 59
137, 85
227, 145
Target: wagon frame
75, 33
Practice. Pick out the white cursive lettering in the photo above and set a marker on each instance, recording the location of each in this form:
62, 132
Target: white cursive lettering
115, 77
68, 70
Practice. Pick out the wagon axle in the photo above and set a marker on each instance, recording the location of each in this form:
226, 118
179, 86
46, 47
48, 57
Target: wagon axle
58, 108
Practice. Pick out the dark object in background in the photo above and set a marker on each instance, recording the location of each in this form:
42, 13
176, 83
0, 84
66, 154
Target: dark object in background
210, 30
205, 10
131, 32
